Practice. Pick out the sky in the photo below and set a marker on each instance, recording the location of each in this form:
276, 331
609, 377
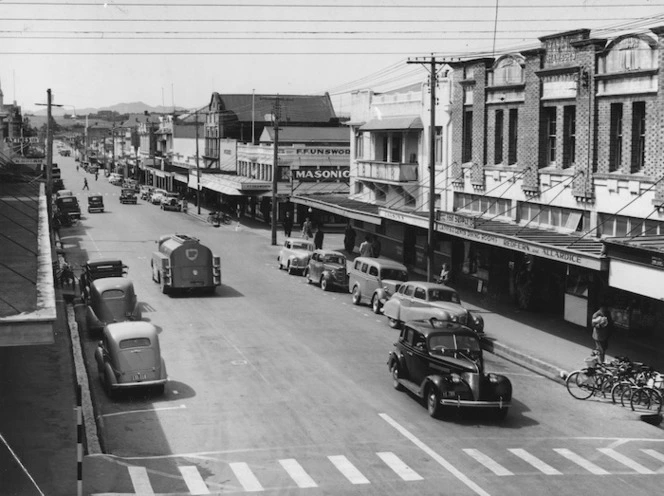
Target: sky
93, 54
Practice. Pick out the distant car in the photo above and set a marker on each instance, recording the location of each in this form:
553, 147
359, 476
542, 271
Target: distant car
128, 195
442, 363
63, 192
375, 280
95, 203
115, 178
327, 268
295, 255
145, 191
157, 195
111, 299
416, 300
68, 205
129, 356
171, 201
99, 269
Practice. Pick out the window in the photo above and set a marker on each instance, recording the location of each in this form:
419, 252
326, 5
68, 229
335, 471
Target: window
638, 136
439, 145
359, 145
498, 138
420, 294
615, 137
408, 291
113, 294
395, 148
373, 271
513, 135
384, 139
134, 343
550, 130
365, 266
569, 136
467, 152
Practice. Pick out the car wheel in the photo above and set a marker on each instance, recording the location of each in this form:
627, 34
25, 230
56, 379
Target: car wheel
163, 287
308, 276
395, 377
433, 401
324, 285
393, 323
107, 386
375, 304
357, 296
290, 269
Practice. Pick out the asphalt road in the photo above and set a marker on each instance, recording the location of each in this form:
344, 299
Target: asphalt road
278, 387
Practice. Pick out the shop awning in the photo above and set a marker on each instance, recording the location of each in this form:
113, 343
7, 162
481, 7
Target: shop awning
393, 123
340, 205
637, 264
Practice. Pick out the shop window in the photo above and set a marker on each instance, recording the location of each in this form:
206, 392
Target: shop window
615, 137
569, 136
550, 129
638, 136
652, 228
577, 282
467, 152
513, 135
476, 260
498, 138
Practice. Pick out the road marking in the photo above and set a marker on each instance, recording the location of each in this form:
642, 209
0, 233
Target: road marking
399, 467
246, 477
25, 470
297, 473
488, 462
439, 459
348, 470
582, 462
657, 456
180, 407
628, 462
140, 480
193, 479
534, 461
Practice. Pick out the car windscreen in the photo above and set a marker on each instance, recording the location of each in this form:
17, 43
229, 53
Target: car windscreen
466, 342
442, 342
443, 295
334, 259
301, 246
394, 274
134, 343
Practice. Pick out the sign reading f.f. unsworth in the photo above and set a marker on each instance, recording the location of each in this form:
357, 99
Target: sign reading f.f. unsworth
322, 174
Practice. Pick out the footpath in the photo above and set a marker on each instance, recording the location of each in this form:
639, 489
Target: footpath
38, 433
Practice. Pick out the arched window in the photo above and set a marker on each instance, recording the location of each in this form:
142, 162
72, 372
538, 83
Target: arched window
507, 70
631, 54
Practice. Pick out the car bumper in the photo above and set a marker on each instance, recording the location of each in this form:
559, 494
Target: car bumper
138, 384
474, 404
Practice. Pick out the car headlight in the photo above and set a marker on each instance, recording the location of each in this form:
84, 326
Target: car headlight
455, 378
493, 378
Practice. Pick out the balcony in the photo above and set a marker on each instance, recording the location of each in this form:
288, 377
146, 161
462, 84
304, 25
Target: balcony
392, 172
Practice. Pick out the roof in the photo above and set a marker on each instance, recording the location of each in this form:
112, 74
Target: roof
427, 327
393, 123
384, 262
654, 244
430, 285
341, 205
293, 108
336, 135
329, 252
131, 329
107, 283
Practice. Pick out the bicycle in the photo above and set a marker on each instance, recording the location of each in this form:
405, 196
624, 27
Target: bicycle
596, 379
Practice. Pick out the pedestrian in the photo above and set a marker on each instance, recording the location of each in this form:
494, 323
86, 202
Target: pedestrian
445, 274
602, 325
307, 229
85, 184
288, 225
318, 238
96, 175
238, 212
349, 238
365, 247
375, 247
76, 167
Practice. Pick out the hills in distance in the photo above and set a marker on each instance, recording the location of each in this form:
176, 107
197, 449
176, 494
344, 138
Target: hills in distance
120, 108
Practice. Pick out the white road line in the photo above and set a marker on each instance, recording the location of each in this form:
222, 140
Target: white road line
193, 479
657, 456
297, 473
348, 470
140, 480
488, 462
439, 459
180, 407
580, 461
628, 462
246, 477
534, 461
399, 467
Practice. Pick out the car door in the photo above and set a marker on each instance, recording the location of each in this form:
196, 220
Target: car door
315, 267
405, 302
416, 356
418, 303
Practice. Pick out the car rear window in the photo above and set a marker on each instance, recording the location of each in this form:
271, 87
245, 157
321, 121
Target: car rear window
443, 295
333, 259
134, 343
113, 294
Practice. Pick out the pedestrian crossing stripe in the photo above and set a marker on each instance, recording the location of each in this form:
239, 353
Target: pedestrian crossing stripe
247, 479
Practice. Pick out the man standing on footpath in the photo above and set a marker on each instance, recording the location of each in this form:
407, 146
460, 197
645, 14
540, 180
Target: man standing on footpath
288, 225
602, 324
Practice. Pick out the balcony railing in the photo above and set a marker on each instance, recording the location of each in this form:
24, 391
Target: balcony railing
387, 171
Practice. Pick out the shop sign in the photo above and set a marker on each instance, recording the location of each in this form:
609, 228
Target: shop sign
411, 220
456, 219
27, 161
29, 139
323, 151
559, 51
314, 174
524, 246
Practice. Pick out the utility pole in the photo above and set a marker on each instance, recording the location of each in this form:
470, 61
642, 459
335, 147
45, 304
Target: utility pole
49, 152
198, 170
433, 63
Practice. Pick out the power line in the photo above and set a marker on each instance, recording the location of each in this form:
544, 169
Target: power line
326, 5
309, 21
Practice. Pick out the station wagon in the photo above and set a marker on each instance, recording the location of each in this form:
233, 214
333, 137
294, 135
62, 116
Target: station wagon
375, 280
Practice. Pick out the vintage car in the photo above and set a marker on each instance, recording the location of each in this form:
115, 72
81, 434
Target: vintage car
145, 191
295, 255
115, 178
156, 196
327, 268
417, 300
129, 356
442, 363
111, 299
63, 192
95, 203
128, 195
68, 205
375, 280
171, 201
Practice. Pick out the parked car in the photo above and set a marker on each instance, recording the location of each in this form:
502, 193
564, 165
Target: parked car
441, 362
130, 184
375, 280
327, 268
171, 201
156, 196
128, 195
68, 205
114, 178
95, 203
63, 192
417, 300
145, 191
111, 299
129, 356
295, 254
99, 269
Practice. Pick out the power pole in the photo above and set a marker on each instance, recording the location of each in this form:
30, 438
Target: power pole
433, 64
198, 170
49, 151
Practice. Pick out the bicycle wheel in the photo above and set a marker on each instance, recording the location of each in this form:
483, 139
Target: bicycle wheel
618, 389
646, 400
580, 385
626, 396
